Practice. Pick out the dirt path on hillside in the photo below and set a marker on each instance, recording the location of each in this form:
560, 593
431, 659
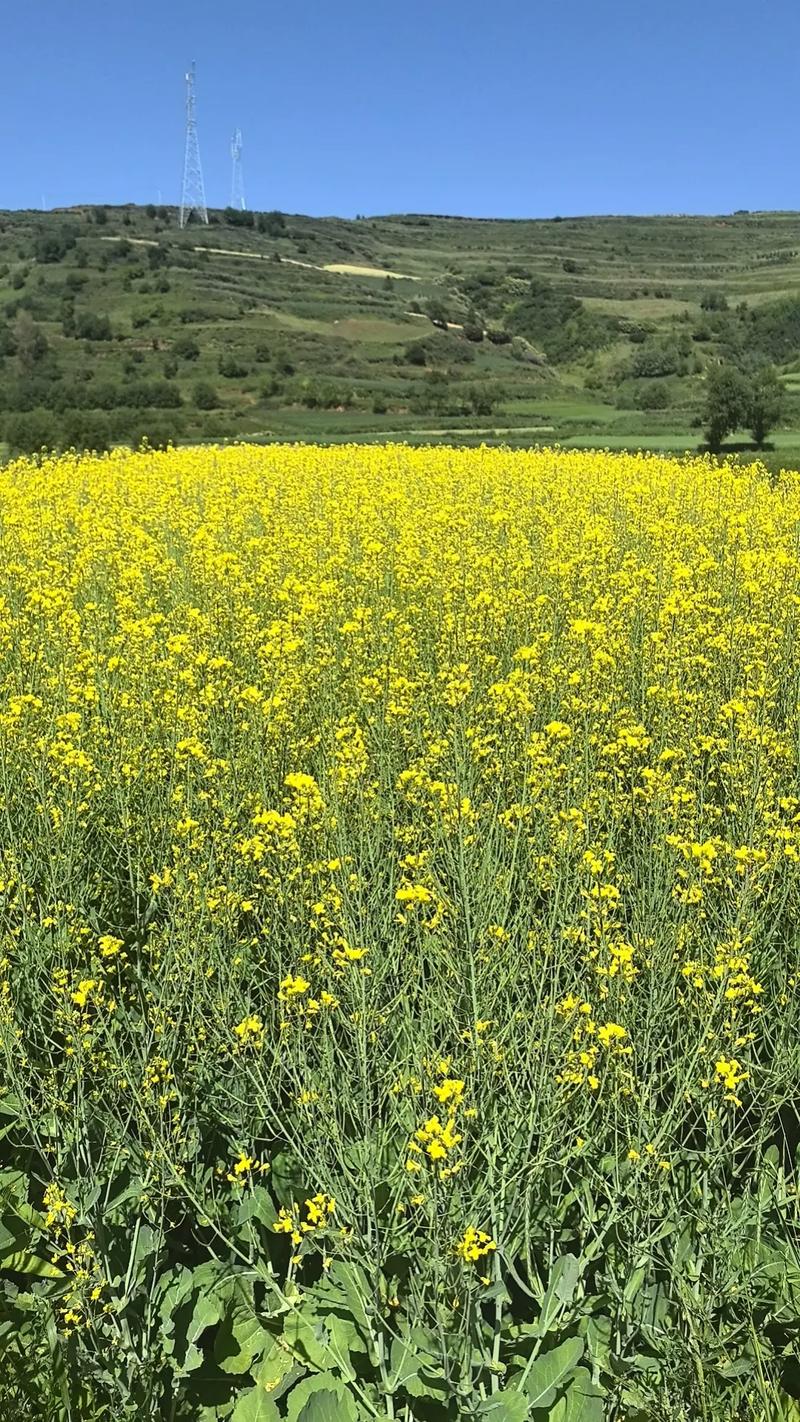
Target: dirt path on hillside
339, 268
451, 325
348, 269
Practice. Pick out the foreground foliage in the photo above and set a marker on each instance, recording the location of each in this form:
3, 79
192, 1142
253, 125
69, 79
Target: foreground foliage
399, 895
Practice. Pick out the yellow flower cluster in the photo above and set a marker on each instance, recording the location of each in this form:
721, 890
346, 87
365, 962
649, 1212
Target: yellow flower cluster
594, 1048
73, 1252
318, 1212
475, 1244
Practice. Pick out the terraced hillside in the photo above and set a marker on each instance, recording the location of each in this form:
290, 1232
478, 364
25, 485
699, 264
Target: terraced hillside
115, 324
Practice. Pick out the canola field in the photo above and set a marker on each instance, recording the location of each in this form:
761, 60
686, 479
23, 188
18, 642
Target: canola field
400, 905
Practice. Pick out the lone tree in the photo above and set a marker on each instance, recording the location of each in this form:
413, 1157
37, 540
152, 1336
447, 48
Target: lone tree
766, 403
738, 399
30, 342
727, 404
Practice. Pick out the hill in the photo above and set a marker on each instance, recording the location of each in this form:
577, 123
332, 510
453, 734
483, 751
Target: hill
115, 324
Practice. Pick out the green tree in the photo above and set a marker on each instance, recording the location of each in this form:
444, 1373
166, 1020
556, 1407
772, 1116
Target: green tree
727, 404
482, 400
437, 312
91, 326
52, 246
416, 354
232, 367
30, 342
31, 431
185, 348
205, 396
272, 224
559, 323
766, 403
651, 395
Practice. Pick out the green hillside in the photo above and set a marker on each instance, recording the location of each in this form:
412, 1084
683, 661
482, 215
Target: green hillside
114, 324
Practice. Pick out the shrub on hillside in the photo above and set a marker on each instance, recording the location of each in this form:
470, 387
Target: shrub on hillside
238, 217
53, 245
651, 395
232, 367
27, 432
271, 224
714, 301
204, 396
416, 353
559, 323
91, 326
186, 348
651, 362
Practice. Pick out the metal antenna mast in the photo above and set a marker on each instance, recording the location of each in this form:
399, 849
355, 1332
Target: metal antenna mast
193, 197
237, 173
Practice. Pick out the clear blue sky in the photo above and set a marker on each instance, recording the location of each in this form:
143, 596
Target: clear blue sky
485, 107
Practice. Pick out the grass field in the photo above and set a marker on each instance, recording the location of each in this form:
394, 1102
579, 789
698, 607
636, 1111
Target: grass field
399, 887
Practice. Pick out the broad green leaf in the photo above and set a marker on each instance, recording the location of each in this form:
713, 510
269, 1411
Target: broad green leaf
10, 1239
23, 1262
174, 1286
599, 1329
428, 1383
356, 1287
257, 1204
273, 1367
217, 1292
344, 1338
564, 1276
684, 1245
286, 1178
566, 1273
122, 1188
328, 1407
404, 1361
427, 1378
582, 1401
255, 1405
549, 1372
508, 1406
192, 1358
309, 1338
239, 1339
739, 1368
320, 1399
654, 1313
633, 1285
207, 1310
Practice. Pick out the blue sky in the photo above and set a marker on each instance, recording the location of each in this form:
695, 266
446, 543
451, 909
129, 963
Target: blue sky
483, 107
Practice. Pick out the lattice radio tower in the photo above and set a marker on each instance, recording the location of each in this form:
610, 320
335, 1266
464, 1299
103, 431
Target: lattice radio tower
193, 197
237, 172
